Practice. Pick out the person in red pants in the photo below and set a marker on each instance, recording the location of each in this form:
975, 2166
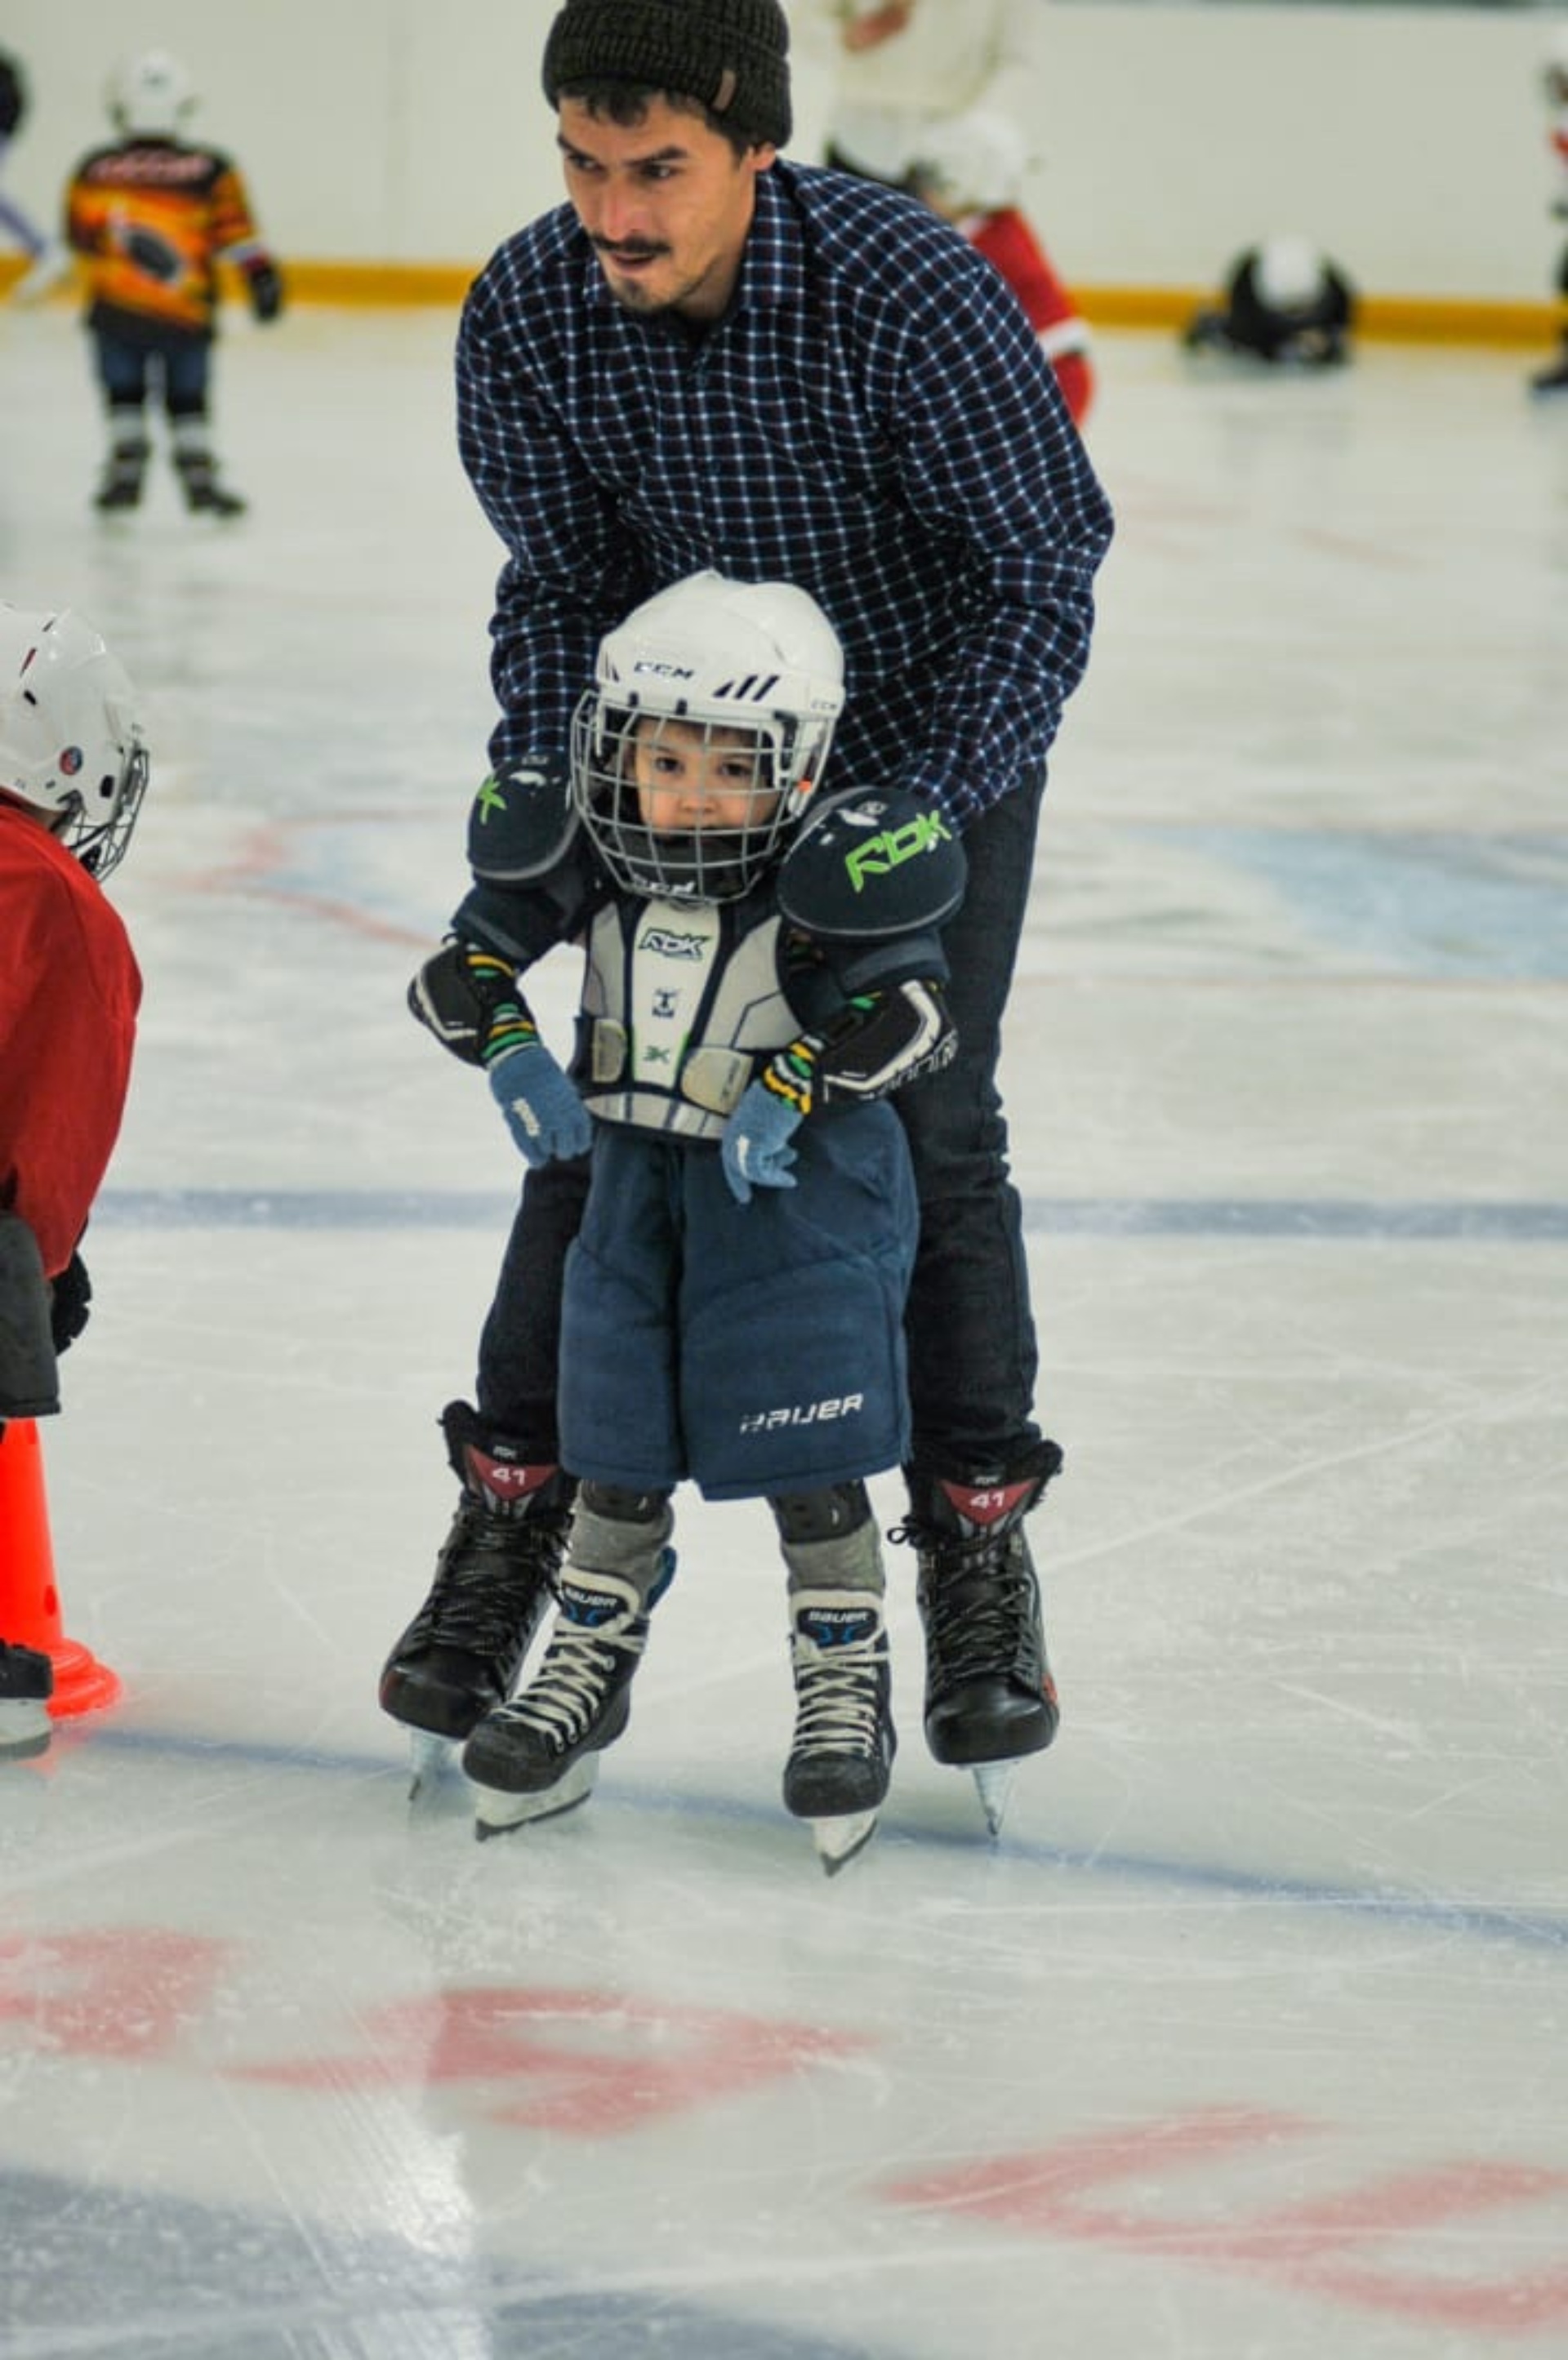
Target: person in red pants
970, 169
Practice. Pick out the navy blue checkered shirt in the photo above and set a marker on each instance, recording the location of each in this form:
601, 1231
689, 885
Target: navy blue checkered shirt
872, 419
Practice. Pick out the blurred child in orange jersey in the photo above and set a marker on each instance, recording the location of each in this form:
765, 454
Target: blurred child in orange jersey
151, 216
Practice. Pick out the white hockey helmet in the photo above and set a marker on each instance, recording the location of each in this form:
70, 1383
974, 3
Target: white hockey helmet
150, 96
72, 743
973, 162
1289, 274
756, 661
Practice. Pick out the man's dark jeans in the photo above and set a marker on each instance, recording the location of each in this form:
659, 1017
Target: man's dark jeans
972, 1357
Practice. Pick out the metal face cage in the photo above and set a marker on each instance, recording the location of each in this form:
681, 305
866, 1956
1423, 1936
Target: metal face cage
679, 805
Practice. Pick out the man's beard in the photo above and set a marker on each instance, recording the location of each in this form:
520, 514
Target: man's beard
630, 292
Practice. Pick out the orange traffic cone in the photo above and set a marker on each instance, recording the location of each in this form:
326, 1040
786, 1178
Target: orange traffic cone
29, 1602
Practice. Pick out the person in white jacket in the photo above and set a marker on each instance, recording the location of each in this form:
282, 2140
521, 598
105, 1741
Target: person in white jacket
868, 78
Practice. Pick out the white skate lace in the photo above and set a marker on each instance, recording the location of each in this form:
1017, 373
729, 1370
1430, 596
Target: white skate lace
572, 1685
836, 1691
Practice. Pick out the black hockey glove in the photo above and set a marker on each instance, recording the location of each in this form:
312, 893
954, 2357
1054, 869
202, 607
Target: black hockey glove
264, 283
455, 995
69, 1299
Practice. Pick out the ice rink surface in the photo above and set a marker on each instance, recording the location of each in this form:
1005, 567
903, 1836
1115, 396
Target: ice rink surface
1249, 2038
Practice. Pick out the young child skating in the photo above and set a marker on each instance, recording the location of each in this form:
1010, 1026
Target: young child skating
151, 217
763, 969
73, 768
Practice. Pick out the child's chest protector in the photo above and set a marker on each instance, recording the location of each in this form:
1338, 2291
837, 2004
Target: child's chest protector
680, 1003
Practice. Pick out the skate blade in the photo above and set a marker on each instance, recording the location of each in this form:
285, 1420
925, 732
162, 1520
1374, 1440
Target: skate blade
431, 1762
838, 1839
496, 1813
993, 1784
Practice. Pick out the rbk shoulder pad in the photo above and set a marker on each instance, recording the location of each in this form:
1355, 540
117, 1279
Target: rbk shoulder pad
871, 865
520, 827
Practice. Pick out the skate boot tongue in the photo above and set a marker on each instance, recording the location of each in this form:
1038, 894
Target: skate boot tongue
844, 1626
593, 1605
505, 1485
981, 1505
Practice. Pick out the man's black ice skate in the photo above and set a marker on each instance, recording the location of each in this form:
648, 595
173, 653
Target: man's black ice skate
990, 1696
461, 1655
124, 472
837, 1774
539, 1755
26, 1684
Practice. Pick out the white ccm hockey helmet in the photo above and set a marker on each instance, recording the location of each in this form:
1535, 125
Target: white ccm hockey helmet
71, 743
150, 96
736, 683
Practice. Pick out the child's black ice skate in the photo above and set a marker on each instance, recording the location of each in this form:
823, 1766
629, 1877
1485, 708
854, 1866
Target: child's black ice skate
204, 494
538, 1755
26, 1684
837, 1772
119, 488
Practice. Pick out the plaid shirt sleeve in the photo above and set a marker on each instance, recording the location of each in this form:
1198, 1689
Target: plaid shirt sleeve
991, 464
565, 581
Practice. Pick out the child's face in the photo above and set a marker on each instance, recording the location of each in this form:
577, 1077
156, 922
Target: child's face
690, 777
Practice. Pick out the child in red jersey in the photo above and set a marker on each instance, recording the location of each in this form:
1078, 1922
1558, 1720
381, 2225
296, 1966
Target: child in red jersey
970, 169
72, 771
151, 216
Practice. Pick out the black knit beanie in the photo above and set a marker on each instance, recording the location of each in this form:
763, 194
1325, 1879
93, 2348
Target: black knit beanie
730, 55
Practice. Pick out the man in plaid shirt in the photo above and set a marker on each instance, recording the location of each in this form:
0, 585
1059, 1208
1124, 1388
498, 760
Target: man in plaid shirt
709, 358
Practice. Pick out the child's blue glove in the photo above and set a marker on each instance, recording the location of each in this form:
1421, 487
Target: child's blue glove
544, 1115
755, 1145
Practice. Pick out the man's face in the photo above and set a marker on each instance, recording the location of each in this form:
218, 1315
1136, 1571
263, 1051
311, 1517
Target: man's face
667, 204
